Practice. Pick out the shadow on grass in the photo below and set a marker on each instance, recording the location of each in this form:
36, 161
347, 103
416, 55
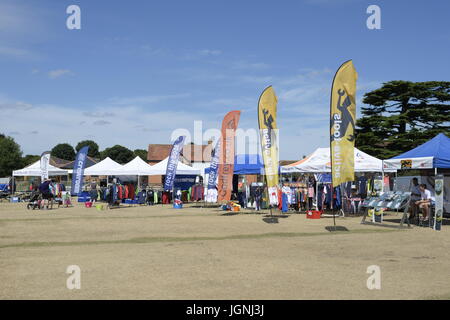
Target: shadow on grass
270, 219
277, 216
147, 240
336, 228
230, 213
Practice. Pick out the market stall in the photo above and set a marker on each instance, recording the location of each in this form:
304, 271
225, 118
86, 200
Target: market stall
312, 191
433, 154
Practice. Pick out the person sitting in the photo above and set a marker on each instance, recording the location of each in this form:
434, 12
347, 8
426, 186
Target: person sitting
425, 201
415, 196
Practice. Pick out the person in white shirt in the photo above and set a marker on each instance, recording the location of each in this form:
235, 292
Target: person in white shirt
425, 201
415, 196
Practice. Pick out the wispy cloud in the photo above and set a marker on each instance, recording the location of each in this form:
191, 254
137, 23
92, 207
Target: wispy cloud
17, 53
7, 104
57, 73
98, 114
209, 52
101, 122
144, 100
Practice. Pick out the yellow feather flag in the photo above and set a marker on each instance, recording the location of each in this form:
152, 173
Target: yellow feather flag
267, 118
342, 124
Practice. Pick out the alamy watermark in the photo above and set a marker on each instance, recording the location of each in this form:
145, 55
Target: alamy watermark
374, 280
247, 141
73, 21
74, 280
374, 20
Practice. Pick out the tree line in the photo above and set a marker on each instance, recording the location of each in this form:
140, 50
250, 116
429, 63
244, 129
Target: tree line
11, 157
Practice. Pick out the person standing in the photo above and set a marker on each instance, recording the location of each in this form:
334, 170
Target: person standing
45, 190
258, 196
93, 192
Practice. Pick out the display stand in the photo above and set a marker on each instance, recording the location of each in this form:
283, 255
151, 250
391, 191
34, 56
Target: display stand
379, 202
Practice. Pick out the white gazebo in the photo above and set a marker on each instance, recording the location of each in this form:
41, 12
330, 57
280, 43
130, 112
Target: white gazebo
161, 167
136, 167
34, 170
319, 162
106, 167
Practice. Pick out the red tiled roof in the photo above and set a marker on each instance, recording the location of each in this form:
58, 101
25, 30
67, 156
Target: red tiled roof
197, 153
158, 152
191, 152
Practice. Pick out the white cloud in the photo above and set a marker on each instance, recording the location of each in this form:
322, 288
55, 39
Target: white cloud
15, 52
53, 74
17, 106
144, 100
244, 65
134, 127
209, 52
101, 123
98, 114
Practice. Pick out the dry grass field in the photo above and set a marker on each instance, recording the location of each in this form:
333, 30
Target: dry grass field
199, 253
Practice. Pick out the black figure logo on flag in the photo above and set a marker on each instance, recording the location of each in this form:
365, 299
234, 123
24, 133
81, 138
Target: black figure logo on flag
340, 122
268, 120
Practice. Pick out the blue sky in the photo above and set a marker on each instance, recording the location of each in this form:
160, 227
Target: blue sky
137, 70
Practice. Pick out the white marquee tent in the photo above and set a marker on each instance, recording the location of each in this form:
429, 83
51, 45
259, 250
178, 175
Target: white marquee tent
34, 170
319, 162
136, 167
160, 168
106, 167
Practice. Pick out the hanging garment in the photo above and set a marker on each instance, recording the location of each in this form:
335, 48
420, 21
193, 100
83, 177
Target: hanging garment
166, 197
280, 202
362, 186
284, 200
131, 191
211, 195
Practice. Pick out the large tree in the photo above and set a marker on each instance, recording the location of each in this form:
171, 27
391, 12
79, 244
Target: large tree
141, 153
30, 159
63, 151
118, 153
10, 156
93, 148
402, 115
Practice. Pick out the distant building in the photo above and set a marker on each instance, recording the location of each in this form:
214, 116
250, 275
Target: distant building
64, 164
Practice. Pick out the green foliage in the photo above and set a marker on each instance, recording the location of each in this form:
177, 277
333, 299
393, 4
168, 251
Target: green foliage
402, 115
64, 151
93, 148
118, 153
29, 159
141, 153
10, 156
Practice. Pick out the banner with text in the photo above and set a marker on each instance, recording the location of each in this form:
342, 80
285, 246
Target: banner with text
44, 164
172, 163
342, 124
227, 149
78, 171
267, 118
